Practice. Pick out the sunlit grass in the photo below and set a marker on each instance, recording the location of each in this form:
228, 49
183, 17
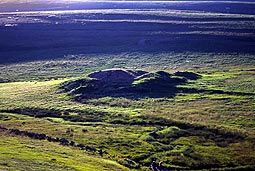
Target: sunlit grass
41, 155
141, 129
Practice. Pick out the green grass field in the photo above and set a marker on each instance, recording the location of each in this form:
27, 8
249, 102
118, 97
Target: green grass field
213, 128
19, 153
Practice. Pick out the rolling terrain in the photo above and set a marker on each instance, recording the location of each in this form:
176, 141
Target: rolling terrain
113, 28
113, 86
212, 129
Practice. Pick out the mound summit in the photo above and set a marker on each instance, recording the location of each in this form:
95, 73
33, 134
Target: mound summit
116, 76
127, 83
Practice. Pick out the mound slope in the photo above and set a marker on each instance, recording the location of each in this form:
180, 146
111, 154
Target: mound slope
126, 83
113, 76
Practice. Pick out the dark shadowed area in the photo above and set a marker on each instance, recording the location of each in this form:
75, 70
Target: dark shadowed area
114, 27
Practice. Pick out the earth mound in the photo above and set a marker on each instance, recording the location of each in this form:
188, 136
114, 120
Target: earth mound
126, 83
114, 76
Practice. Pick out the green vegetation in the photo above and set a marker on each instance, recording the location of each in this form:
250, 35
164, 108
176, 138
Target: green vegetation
122, 83
20, 153
207, 124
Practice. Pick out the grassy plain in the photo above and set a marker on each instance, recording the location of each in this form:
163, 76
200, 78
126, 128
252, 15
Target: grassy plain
192, 130
20, 153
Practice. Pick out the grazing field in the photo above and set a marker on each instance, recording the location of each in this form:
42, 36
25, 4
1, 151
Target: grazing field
41, 155
118, 86
210, 127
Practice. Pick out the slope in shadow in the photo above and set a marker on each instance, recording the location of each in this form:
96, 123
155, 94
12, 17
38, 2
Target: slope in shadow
135, 84
131, 84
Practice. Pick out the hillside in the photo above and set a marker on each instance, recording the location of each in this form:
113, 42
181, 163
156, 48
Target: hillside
210, 127
22, 153
127, 27
122, 86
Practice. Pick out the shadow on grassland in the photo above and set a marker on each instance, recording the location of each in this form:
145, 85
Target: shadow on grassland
135, 84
